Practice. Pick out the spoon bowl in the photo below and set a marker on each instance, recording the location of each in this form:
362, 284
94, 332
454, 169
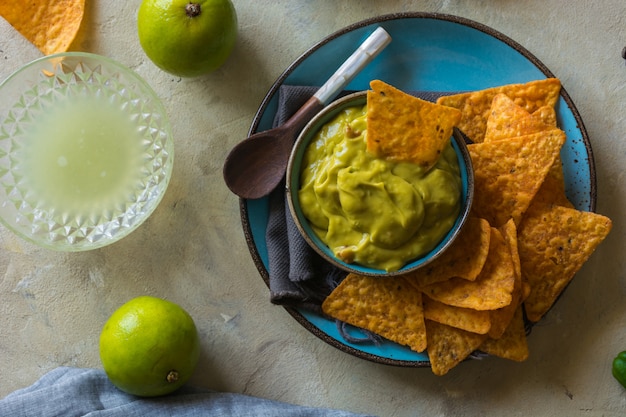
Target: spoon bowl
255, 166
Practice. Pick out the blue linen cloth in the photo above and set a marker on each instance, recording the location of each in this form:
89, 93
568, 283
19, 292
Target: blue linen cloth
73, 392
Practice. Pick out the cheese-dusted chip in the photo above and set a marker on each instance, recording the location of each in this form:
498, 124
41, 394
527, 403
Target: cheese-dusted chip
475, 105
508, 173
391, 308
501, 317
51, 25
507, 119
512, 344
552, 191
463, 259
449, 346
554, 242
491, 290
474, 321
401, 127
546, 114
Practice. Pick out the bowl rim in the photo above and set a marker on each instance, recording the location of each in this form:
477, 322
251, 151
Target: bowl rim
59, 56
459, 144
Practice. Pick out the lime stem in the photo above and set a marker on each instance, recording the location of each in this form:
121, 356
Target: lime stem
193, 9
172, 376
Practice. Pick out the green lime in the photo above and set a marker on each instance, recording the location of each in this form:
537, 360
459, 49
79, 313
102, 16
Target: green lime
149, 347
187, 38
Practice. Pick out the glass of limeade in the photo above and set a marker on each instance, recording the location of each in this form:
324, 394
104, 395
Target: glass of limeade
86, 151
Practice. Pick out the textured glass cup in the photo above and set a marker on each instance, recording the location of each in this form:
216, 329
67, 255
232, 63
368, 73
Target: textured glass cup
86, 151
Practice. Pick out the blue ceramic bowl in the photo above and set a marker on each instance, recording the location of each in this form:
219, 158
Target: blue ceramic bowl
293, 185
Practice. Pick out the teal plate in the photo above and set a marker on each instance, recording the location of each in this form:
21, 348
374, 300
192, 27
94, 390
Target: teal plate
429, 52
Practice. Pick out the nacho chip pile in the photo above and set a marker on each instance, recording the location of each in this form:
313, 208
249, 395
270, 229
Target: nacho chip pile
514, 256
51, 25
476, 106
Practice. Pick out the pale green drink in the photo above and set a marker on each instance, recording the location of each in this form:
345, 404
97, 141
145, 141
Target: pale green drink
83, 156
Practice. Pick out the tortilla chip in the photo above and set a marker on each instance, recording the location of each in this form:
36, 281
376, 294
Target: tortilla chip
508, 174
513, 344
554, 243
465, 258
501, 317
525, 289
401, 127
391, 308
474, 321
547, 115
509, 234
491, 290
475, 105
552, 191
507, 119
448, 346
51, 25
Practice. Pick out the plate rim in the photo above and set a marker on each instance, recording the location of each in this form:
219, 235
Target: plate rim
273, 90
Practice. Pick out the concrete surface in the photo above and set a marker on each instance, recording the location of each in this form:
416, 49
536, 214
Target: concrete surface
192, 250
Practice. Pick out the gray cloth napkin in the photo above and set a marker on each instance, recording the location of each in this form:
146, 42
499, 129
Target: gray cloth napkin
73, 392
298, 276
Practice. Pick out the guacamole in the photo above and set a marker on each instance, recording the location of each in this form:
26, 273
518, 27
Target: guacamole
371, 211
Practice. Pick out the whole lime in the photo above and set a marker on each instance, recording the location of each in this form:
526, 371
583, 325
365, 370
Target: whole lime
149, 347
187, 37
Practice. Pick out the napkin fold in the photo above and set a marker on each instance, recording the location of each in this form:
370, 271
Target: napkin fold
73, 392
299, 276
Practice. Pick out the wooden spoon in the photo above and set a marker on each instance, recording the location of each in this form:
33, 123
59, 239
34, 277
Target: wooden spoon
255, 166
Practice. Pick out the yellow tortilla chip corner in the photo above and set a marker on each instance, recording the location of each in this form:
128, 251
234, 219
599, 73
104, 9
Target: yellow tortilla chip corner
51, 25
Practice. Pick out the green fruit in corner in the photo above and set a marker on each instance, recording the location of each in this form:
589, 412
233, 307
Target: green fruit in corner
619, 368
149, 347
187, 38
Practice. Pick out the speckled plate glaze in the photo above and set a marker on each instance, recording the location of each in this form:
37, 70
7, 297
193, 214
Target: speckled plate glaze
429, 52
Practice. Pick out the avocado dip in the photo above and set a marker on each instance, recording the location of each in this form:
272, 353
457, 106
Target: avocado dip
370, 211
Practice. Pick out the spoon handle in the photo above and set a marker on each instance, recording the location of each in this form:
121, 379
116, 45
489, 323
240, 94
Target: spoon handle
368, 50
